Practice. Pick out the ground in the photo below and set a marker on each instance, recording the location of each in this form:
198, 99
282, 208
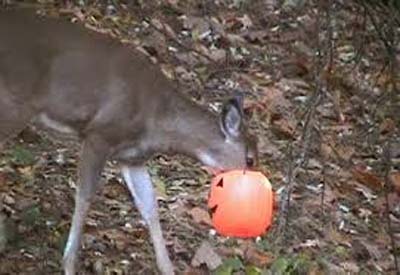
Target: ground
322, 99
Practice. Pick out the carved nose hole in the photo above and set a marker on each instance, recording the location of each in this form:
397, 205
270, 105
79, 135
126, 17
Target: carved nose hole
220, 183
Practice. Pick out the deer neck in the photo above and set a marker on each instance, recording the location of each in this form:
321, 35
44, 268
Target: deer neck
184, 127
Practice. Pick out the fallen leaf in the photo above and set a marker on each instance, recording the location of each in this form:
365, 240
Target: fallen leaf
332, 149
257, 257
117, 238
161, 189
326, 151
359, 251
363, 175
173, 2
229, 266
3, 237
393, 200
195, 271
351, 266
256, 37
218, 55
3, 180
365, 191
394, 178
345, 152
246, 21
200, 216
283, 127
373, 250
9, 200
205, 254
308, 244
387, 126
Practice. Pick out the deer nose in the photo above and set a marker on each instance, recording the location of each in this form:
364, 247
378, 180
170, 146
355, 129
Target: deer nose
249, 162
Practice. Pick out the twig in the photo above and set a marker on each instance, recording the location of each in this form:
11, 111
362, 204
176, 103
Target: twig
361, 45
328, 90
295, 164
286, 196
389, 40
323, 188
316, 98
387, 165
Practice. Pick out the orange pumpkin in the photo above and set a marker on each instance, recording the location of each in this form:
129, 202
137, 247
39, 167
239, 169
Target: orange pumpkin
241, 203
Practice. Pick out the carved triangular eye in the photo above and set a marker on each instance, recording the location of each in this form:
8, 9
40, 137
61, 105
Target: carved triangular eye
220, 183
212, 210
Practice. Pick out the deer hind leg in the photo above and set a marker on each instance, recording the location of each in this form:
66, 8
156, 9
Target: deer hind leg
139, 184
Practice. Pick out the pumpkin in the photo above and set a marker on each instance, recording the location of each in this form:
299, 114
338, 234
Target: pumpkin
241, 203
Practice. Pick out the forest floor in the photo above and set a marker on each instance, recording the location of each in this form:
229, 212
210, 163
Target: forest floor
320, 99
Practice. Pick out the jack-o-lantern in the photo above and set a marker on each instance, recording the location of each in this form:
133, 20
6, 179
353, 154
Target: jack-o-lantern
241, 203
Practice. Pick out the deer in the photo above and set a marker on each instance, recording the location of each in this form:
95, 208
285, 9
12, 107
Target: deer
118, 104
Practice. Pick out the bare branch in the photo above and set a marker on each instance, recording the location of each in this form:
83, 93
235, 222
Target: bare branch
387, 164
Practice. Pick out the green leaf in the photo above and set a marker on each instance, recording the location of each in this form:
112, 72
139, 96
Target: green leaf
21, 156
300, 264
160, 186
31, 215
280, 265
252, 270
235, 263
229, 266
223, 270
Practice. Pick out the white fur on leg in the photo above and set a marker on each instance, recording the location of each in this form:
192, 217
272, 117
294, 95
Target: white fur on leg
91, 164
141, 188
74, 237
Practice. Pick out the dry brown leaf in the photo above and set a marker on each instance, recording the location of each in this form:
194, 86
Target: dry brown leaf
205, 254
200, 216
394, 178
246, 21
367, 177
257, 36
218, 55
228, 252
3, 237
393, 200
195, 271
332, 149
326, 151
258, 257
117, 238
387, 126
173, 2
351, 267
27, 171
3, 180
337, 237
283, 127
345, 152
235, 39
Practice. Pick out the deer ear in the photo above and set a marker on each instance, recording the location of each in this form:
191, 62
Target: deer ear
232, 117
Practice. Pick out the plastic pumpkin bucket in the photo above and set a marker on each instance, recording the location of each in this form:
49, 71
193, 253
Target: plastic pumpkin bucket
241, 203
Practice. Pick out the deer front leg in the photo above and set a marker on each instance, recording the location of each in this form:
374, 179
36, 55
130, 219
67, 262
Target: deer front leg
141, 188
93, 157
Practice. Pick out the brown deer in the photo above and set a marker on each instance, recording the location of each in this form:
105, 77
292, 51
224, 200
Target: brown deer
120, 105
